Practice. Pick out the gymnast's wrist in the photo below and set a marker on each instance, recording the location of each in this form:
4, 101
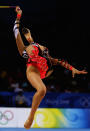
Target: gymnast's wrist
71, 68
19, 16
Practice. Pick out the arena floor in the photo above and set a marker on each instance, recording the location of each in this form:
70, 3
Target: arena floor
22, 129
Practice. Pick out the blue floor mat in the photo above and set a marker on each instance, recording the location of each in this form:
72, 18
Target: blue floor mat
22, 129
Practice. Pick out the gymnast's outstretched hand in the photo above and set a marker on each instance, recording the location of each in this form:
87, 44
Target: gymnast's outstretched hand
75, 71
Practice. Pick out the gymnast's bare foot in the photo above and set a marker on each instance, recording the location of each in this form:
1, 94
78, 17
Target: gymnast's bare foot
28, 124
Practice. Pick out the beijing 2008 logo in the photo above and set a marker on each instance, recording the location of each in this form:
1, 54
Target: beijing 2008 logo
5, 117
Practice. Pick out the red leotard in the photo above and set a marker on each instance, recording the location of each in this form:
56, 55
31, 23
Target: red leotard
38, 61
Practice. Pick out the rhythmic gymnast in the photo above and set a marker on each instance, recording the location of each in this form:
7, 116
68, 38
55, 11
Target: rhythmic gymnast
39, 63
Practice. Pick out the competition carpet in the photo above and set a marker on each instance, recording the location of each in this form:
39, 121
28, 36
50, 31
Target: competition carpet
21, 129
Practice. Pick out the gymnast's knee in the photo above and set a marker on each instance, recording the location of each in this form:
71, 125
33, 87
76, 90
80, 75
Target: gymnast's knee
42, 92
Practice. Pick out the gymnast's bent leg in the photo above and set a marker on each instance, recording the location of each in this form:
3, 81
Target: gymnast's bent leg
37, 83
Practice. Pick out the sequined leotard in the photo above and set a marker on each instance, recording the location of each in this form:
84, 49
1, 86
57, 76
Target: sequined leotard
38, 59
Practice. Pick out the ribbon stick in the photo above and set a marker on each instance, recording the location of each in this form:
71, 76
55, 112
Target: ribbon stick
7, 6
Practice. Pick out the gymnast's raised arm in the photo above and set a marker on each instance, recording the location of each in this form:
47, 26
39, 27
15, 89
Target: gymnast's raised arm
20, 45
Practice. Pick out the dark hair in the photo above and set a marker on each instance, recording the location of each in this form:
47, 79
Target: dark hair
25, 30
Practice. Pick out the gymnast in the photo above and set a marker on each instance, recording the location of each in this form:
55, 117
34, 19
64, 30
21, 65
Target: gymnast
38, 66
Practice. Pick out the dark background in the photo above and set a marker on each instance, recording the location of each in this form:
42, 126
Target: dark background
69, 42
